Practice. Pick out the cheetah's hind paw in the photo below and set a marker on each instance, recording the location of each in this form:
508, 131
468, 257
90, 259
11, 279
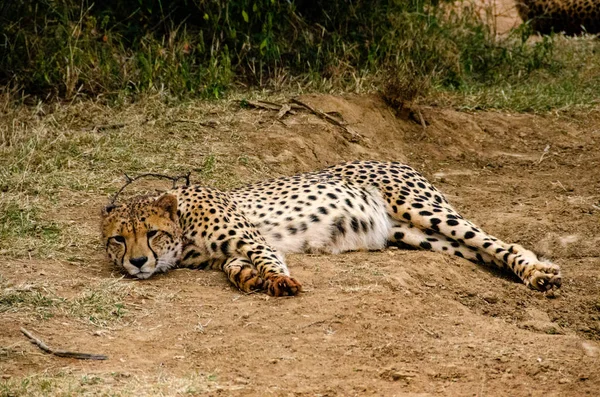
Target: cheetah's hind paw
545, 278
281, 285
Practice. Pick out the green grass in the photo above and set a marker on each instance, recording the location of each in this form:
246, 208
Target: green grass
100, 305
22, 229
572, 82
40, 302
118, 52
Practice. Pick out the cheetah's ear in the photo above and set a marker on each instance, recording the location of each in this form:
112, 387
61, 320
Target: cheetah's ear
168, 202
107, 210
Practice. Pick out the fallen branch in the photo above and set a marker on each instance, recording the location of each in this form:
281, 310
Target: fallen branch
284, 109
61, 353
351, 135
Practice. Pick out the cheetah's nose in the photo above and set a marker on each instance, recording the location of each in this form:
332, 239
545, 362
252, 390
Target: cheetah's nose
139, 261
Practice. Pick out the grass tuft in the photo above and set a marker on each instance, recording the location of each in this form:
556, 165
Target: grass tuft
101, 305
38, 300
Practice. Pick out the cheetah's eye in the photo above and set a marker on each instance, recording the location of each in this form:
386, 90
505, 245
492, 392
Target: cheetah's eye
119, 239
151, 233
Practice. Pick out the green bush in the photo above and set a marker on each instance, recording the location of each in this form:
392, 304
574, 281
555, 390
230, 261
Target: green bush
63, 48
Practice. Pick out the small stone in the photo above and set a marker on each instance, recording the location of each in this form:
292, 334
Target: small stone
489, 297
545, 327
585, 329
401, 376
395, 375
590, 349
430, 284
562, 381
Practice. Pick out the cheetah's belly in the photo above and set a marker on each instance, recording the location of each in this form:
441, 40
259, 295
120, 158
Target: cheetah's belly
335, 217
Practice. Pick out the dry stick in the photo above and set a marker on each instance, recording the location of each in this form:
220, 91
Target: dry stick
431, 333
422, 120
211, 124
105, 127
283, 111
276, 106
62, 353
263, 105
353, 135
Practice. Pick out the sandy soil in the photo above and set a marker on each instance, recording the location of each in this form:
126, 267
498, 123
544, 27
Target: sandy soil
394, 323
503, 13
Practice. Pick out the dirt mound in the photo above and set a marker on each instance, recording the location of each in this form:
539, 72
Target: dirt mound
382, 323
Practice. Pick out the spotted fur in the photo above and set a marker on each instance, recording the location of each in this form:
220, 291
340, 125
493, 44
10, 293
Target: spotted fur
569, 16
361, 205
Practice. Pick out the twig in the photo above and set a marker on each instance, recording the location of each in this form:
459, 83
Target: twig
561, 186
129, 180
105, 127
262, 105
352, 135
283, 111
62, 353
209, 123
274, 105
546, 150
422, 120
430, 333
320, 113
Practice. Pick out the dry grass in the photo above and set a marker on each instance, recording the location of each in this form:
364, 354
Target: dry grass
115, 384
100, 305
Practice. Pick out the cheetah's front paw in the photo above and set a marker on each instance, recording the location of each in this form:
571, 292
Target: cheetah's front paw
544, 277
280, 285
249, 280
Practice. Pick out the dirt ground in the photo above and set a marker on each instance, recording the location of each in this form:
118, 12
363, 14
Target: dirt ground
394, 323
503, 14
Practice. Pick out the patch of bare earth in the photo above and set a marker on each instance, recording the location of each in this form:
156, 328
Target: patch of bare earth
394, 322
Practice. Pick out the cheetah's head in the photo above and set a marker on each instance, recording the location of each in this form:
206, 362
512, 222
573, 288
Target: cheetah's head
143, 236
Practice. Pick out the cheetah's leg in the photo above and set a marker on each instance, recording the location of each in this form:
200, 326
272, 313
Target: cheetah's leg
533, 272
411, 235
242, 274
271, 267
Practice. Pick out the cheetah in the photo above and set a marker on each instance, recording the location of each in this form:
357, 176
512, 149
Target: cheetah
569, 16
245, 232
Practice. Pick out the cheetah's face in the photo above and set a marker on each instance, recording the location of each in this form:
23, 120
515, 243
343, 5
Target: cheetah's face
143, 236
